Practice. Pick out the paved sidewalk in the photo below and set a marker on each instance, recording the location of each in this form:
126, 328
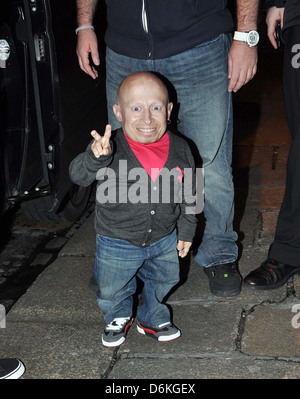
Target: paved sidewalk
56, 327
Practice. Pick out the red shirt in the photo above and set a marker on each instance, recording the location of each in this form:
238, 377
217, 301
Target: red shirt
152, 156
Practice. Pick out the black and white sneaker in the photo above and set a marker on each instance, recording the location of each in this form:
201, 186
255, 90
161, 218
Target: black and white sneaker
163, 333
11, 369
115, 332
224, 280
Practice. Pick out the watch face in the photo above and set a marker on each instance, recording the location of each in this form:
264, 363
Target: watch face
253, 38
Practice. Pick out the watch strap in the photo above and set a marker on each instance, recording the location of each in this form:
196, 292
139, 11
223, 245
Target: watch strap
242, 36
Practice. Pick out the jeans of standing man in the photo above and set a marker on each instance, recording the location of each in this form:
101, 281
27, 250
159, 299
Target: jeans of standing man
286, 245
200, 77
116, 265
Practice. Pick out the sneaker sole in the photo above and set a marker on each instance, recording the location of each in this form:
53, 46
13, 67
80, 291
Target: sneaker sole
160, 339
226, 293
113, 344
17, 373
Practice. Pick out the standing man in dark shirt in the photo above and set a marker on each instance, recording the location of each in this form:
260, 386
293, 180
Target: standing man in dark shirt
284, 254
189, 43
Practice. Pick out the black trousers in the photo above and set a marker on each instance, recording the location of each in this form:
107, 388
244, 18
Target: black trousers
286, 245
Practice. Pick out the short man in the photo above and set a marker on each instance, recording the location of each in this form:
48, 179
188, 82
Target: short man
137, 229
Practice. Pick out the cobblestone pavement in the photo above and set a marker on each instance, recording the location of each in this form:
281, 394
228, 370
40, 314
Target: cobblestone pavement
27, 248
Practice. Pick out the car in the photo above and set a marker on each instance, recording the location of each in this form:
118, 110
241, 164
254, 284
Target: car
48, 106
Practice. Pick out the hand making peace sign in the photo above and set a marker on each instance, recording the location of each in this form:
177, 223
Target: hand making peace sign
101, 144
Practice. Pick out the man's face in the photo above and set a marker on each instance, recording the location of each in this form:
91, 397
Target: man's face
143, 109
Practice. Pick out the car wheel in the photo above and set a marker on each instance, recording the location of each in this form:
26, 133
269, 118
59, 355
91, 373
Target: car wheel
70, 209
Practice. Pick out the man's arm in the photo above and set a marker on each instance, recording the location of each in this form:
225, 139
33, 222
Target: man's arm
247, 12
85, 11
242, 59
86, 39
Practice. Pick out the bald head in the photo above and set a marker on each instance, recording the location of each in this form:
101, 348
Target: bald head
140, 78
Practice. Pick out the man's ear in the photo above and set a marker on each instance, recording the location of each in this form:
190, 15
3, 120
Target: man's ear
169, 110
117, 112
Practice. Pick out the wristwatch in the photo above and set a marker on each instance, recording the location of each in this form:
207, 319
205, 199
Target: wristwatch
251, 38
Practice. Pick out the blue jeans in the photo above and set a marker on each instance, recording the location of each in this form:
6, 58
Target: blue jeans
200, 77
117, 263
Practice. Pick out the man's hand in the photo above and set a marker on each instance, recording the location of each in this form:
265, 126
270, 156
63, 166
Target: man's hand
183, 248
274, 14
87, 44
242, 65
101, 144
242, 59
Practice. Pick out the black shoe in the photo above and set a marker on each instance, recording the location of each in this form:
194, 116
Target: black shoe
11, 369
271, 274
224, 279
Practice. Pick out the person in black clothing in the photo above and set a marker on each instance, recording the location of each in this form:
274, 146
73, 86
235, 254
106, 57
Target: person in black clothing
284, 253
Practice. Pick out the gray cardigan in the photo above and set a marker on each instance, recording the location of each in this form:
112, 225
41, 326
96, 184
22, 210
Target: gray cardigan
129, 205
